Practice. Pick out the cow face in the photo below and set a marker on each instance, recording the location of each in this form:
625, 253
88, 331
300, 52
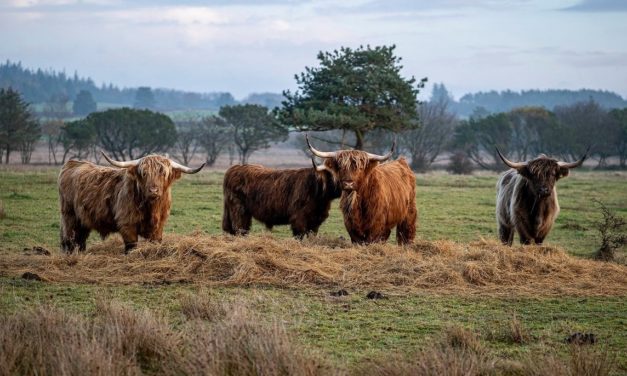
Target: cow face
349, 167
542, 172
153, 174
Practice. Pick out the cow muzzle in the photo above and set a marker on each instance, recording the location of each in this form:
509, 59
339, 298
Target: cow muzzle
348, 185
544, 192
153, 193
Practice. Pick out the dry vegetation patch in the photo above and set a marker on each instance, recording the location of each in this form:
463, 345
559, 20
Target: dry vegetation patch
476, 268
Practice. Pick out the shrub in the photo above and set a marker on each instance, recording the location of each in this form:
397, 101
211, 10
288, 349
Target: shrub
612, 232
460, 164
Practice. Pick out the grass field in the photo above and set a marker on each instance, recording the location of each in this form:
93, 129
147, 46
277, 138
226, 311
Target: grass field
351, 332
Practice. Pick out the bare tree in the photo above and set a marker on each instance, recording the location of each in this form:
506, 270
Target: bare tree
186, 146
426, 143
214, 134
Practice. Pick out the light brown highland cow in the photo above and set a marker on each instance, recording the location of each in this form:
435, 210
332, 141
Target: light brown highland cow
375, 197
133, 199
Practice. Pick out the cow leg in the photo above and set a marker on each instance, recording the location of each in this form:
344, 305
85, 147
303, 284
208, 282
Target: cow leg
81, 234
129, 235
406, 230
506, 234
299, 227
69, 229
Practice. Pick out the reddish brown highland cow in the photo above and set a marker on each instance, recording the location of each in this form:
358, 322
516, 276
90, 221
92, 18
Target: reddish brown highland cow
133, 199
298, 197
375, 197
526, 198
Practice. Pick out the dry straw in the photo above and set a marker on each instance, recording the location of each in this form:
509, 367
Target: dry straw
484, 268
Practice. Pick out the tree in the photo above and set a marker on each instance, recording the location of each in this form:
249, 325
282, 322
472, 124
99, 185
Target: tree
426, 143
535, 130
18, 129
84, 104
79, 137
51, 131
253, 128
620, 141
144, 98
479, 137
186, 144
129, 133
214, 135
585, 124
354, 90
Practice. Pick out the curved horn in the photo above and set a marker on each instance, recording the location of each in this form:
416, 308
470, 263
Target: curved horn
318, 153
185, 169
575, 164
381, 158
511, 164
125, 164
322, 167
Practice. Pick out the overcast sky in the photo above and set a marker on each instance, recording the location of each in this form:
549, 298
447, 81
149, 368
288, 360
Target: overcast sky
245, 46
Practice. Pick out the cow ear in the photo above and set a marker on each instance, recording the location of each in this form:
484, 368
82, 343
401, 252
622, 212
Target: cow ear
563, 172
176, 174
371, 164
524, 171
132, 171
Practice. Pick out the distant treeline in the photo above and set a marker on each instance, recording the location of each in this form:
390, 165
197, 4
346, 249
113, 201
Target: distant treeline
492, 102
39, 86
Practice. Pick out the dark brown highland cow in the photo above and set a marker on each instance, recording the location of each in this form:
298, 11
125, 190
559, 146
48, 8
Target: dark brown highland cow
298, 197
375, 197
526, 198
133, 199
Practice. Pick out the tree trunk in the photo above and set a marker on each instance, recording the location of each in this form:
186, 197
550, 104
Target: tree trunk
8, 154
359, 137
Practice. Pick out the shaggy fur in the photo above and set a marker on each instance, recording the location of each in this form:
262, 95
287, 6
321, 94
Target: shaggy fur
133, 201
526, 201
376, 197
298, 197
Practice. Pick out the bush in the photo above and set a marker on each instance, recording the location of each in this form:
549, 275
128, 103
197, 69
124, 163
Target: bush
460, 164
612, 232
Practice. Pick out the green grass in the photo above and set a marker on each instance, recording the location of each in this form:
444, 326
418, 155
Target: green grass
353, 328
459, 208
349, 329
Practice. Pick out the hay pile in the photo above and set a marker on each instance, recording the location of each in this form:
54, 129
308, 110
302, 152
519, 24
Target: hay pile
447, 267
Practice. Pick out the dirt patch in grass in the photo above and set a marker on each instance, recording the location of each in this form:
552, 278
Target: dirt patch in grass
484, 268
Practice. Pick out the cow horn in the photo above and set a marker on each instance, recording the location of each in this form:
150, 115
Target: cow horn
575, 164
381, 158
322, 167
185, 169
515, 165
125, 164
318, 153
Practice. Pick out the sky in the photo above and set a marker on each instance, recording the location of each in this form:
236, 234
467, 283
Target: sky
245, 46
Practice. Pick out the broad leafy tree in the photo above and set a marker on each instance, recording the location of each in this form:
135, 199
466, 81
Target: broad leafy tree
479, 137
19, 130
78, 138
254, 128
127, 133
353, 90
84, 103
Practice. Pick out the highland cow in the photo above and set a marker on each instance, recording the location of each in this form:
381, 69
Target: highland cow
298, 197
526, 198
133, 199
375, 197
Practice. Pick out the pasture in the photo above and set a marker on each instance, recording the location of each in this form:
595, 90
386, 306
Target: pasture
511, 309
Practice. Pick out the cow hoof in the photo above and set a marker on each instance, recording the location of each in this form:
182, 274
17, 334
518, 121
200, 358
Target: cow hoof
375, 295
581, 338
341, 292
31, 276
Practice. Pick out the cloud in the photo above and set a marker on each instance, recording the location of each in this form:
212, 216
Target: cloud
599, 6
